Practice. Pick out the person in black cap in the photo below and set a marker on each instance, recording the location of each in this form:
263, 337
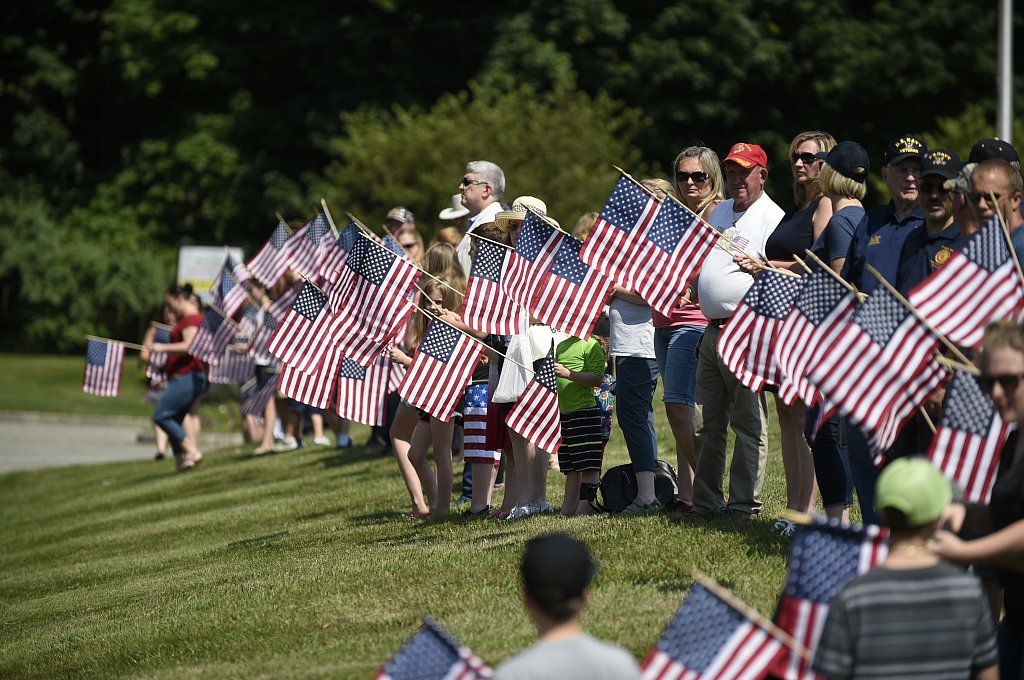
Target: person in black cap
990, 147
996, 177
557, 570
878, 241
929, 248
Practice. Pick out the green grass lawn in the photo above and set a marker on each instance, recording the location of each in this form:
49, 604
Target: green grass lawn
305, 565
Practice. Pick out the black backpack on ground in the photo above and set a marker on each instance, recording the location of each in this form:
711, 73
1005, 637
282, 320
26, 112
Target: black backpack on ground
618, 486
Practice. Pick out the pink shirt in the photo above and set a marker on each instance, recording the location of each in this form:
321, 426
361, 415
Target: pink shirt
687, 315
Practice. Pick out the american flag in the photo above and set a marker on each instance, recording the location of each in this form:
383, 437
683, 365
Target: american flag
822, 304
747, 344
823, 555
157, 360
256, 393
302, 340
978, 285
213, 337
486, 307
316, 387
533, 254
376, 304
969, 438
279, 308
362, 391
337, 253
440, 370
474, 423
710, 638
258, 345
250, 321
103, 362
308, 244
234, 368
271, 262
677, 243
616, 242
570, 295
226, 291
433, 654
237, 269
535, 416
878, 367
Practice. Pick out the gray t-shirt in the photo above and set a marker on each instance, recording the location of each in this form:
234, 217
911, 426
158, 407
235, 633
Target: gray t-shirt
582, 656
632, 331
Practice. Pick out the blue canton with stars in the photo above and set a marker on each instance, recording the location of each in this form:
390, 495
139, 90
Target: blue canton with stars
777, 293
880, 316
669, 226
966, 407
358, 254
212, 320
279, 236
700, 629
822, 557
318, 228
429, 654
96, 353
310, 302
162, 335
625, 205
544, 371
568, 264
820, 296
439, 341
347, 238
394, 246
488, 261
987, 248
351, 369
227, 283
476, 396
533, 237
376, 264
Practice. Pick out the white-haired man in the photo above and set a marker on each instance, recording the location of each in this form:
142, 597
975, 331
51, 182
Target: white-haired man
481, 188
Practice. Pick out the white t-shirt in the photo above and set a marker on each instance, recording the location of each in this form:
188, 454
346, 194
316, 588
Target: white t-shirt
632, 331
722, 284
483, 217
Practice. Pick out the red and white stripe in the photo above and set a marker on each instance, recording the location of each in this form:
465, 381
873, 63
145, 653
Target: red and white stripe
746, 345
662, 278
969, 460
436, 386
522, 276
748, 655
800, 347
487, 308
536, 417
614, 252
300, 342
105, 380
364, 400
570, 308
315, 388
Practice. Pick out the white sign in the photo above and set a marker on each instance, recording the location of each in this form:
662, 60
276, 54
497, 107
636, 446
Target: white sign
199, 265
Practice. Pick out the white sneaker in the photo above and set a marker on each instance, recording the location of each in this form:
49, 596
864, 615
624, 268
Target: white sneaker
321, 441
286, 444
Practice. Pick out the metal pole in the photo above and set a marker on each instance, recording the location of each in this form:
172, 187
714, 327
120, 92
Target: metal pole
1004, 119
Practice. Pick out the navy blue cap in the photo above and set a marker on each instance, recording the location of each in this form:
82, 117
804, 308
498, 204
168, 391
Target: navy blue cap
849, 159
904, 147
942, 162
991, 147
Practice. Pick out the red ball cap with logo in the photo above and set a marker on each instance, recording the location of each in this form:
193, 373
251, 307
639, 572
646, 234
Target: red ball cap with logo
747, 155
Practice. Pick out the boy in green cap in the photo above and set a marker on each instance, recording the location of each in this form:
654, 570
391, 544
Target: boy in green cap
915, 616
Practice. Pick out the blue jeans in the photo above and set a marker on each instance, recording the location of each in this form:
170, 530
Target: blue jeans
831, 460
864, 473
636, 379
175, 403
676, 350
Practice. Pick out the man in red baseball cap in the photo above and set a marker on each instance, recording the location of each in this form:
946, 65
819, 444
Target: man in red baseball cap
746, 219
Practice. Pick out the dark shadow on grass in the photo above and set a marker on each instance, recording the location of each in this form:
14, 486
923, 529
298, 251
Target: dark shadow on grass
372, 518
342, 457
756, 533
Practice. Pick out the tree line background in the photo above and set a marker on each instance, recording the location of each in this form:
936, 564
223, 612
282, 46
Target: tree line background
130, 127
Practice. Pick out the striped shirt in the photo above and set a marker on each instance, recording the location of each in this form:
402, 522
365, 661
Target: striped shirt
931, 622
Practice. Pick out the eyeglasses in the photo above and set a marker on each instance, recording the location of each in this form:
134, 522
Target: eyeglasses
697, 177
467, 182
975, 197
806, 157
1008, 382
936, 187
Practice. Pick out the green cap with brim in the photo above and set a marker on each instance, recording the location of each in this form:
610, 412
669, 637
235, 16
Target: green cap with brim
914, 487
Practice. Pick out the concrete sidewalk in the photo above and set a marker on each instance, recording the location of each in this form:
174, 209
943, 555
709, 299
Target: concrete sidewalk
40, 440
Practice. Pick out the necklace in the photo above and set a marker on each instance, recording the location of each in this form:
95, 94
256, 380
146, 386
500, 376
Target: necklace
736, 216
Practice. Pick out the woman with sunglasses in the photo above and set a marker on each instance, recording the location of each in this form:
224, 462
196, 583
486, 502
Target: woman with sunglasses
699, 185
1001, 521
798, 231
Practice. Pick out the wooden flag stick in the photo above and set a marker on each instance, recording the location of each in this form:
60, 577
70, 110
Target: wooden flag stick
422, 270
330, 220
471, 337
359, 224
226, 317
927, 418
1006, 233
801, 263
753, 614
129, 345
283, 221
956, 365
484, 238
920, 317
157, 324
861, 297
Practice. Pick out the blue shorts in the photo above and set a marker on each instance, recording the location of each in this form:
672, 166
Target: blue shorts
676, 352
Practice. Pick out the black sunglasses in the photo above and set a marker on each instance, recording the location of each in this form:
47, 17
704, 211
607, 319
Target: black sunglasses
467, 182
939, 187
1008, 382
807, 157
976, 197
697, 177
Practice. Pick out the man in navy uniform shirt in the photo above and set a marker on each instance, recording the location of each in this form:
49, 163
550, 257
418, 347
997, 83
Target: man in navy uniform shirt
880, 235
930, 247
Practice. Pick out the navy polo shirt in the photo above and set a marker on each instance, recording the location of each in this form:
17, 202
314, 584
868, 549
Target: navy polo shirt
1017, 239
878, 241
923, 253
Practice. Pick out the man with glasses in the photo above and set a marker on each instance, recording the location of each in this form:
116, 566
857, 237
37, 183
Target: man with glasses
997, 178
481, 188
